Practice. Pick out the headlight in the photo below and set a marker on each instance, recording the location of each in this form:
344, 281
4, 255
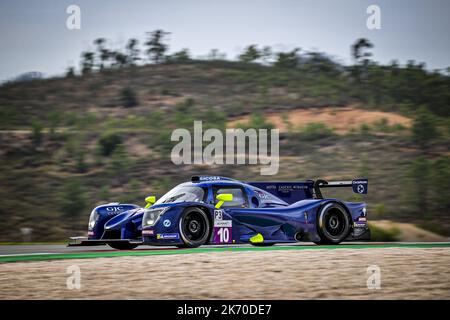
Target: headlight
152, 215
93, 219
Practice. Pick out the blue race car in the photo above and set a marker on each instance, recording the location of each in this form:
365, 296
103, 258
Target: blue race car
218, 210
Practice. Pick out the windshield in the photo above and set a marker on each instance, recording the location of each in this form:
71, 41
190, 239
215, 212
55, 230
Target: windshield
183, 194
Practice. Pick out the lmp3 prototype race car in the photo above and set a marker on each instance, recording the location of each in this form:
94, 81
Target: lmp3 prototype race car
218, 210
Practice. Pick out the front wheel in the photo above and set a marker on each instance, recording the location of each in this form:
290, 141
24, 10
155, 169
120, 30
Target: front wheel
194, 227
122, 245
333, 224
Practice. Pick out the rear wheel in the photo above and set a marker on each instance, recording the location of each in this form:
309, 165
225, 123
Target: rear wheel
194, 228
122, 245
333, 224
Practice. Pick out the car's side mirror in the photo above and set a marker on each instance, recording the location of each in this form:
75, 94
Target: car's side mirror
222, 198
150, 201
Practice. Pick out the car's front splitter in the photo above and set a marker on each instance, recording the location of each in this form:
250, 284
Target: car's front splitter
86, 242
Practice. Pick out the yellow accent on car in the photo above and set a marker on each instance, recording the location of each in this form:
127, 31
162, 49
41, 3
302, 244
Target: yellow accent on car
150, 201
257, 239
222, 198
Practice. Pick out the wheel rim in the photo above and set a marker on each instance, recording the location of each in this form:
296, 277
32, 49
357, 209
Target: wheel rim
194, 226
335, 224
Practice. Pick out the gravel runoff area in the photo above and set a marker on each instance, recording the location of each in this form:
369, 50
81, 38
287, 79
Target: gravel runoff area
406, 273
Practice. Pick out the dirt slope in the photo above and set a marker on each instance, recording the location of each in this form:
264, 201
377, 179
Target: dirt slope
409, 232
340, 119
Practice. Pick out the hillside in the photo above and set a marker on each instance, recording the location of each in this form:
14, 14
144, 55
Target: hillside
68, 144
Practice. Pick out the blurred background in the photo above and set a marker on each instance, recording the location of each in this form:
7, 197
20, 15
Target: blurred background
86, 114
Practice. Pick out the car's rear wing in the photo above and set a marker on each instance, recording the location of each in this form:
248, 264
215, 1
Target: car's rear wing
295, 191
360, 186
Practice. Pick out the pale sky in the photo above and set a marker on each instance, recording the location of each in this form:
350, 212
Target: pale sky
34, 37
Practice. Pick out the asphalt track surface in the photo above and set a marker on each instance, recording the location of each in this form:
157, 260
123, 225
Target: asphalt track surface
15, 253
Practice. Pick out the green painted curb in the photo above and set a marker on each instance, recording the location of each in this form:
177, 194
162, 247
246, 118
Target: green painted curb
111, 254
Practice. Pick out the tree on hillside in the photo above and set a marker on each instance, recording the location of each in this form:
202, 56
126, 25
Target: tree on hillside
87, 62
36, 132
361, 58
320, 63
215, 54
424, 128
133, 52
358, 50
419, 174
181, 56
287, 59
440, 180
103, 54
70, 72
119, 164
73, 199
54, 121
250, 54
266, 54
156, 48
120, 59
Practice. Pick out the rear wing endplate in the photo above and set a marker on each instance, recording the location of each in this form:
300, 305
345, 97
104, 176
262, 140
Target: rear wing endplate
360, 186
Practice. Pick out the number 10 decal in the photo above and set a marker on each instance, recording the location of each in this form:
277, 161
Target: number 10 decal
222, 231
224, 235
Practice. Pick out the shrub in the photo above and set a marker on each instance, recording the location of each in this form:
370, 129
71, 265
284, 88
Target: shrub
380, 234
80, 162
424, 128
119, 163
128, 98
364, 129
314, 131
108, 143
380, 209
257, 121
36, 135
54, 120
73, 198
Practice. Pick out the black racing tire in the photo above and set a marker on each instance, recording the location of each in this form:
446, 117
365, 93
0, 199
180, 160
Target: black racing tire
195, 228
122, 245
262, 244
333, 224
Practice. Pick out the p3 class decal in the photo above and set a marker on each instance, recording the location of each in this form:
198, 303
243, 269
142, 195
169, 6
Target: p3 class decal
218, 214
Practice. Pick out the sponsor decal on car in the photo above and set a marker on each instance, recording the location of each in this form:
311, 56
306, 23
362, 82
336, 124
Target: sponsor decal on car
148, 232
209, 178
223, 231
223, 223
167, 223
357, 224
360, 186
168, 236
114, 209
